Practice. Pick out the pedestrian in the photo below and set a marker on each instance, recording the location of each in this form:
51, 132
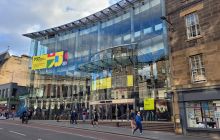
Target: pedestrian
94, 118
74, 117
138, 123
13, 115
84, 116
133, 125
58, 116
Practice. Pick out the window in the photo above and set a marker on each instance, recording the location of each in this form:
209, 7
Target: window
158, 27
148, 30
155, 3
6, 93
3, 93
197, 68
203, 114
192, 25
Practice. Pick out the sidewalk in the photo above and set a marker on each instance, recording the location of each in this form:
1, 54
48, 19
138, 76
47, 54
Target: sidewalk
153, 135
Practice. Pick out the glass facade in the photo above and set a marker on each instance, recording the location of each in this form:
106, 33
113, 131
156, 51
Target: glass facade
112, 65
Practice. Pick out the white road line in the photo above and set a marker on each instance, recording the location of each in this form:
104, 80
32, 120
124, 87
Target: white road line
1, 128
17, 133
51, 130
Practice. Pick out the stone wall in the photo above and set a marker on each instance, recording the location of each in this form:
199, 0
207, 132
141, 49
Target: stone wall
15, 69
208, 43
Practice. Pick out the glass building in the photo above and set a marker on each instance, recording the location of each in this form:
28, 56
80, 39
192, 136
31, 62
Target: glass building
112, 61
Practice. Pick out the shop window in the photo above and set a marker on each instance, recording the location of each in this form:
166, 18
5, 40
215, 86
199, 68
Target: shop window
203, 114
192, 25
197, 68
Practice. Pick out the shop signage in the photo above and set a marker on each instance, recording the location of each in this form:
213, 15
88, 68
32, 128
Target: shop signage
217, 114
149, 104
49, 60
103, 102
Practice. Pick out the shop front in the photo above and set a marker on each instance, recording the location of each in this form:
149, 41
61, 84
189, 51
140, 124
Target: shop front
118, 109
200, 110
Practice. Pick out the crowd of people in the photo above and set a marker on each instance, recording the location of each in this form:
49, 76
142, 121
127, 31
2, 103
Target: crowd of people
7, 114
135, 119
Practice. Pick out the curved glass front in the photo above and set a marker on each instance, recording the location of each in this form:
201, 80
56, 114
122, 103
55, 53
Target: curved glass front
59, 80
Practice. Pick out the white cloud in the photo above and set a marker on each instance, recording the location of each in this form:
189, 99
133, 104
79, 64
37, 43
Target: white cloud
25, 16
33, 28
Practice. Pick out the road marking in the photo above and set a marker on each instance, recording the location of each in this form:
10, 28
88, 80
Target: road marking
1, 128
36, 127
17, 133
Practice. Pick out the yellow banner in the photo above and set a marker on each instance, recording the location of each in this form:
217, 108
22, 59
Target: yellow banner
39, 62
129, 80
102, 83
93, 85
50, 60
108, 82
149, 104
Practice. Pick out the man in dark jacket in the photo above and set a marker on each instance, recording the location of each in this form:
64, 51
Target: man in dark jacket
74, 117
138, 123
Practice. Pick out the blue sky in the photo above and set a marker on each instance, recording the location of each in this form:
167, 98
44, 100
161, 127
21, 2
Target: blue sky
25, 16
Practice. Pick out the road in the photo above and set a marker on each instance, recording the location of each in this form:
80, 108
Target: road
14, 130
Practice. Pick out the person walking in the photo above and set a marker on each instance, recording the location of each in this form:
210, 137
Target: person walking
133, 125
74, 117
94, 118
84, 114
58, 116
138, 123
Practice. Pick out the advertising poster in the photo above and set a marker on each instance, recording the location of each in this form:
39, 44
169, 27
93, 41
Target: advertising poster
162, 110
39, 62
50, 60
104, 83
149, 104
129, 80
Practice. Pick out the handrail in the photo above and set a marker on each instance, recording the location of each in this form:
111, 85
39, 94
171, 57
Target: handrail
122, 116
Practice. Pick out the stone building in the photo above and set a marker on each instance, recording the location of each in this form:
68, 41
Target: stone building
14, 80
194, 39
14, 69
